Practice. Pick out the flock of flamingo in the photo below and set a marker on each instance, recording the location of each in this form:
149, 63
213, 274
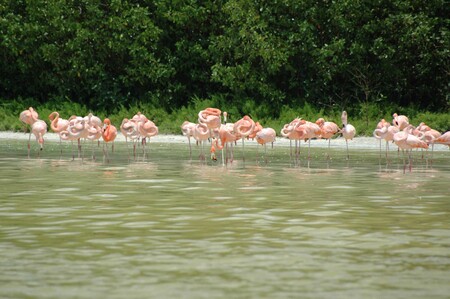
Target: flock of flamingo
212, 126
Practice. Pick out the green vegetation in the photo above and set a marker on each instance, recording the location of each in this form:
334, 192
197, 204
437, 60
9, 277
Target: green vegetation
169, 123
273, 60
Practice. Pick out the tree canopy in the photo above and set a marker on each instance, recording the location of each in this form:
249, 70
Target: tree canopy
275, 53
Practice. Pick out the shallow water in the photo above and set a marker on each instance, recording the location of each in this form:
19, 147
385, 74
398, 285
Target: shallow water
170, 227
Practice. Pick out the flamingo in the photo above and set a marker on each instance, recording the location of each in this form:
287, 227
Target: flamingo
380, 125
327, 130
91, 119
429, 135
129, 129
28, 117
74, 131
243, 128
79, 125
94, 133
147, 129
443, 139
229, 126
38, 128
211, 118
400, 121
307, 130
387, 133
139, 117
289, 132
264, 136
227, 138
407, 141
348, 131
201, 133
187, 128
58, 125
257, 129
109, 134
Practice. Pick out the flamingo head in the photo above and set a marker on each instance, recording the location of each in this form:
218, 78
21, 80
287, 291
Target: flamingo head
53, 115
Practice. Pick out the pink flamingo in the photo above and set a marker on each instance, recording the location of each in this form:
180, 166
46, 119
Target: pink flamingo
407, 141
327, 130
38, 128
289, 132
147, 129
211, 118
139, 117
227, 138
94, 133
91, 119
257, 129
307, 130
242, 128
201, 134
109, 134
74, 131
387, 133
79, 125
427, 134
264, 136
129, 129
187, 128
28, 117
58, 125
380, 125
400, 121
348, 131
443, 139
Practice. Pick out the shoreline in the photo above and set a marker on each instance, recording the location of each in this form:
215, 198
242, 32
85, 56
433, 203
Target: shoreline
338, 142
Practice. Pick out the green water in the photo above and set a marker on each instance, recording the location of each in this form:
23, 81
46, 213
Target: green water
171, 227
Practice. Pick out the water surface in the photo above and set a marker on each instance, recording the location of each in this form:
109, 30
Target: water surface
170, 227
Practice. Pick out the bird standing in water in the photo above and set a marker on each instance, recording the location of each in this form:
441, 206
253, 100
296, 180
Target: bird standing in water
109, 134
38, 128
348, 131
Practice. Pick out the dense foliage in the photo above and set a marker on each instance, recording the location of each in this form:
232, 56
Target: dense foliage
262, 55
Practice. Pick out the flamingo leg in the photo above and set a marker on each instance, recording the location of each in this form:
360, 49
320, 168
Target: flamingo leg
346, 141
79, 148
309, 149
60, 146
202, 155
291, 155
71, 148
410, 160
243, 153
29, 146
328, 153
223, 159
387, 152
309, 154
190, 147
105, 152
128, 149
431, 156
404, 161
265, 152
380, 151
